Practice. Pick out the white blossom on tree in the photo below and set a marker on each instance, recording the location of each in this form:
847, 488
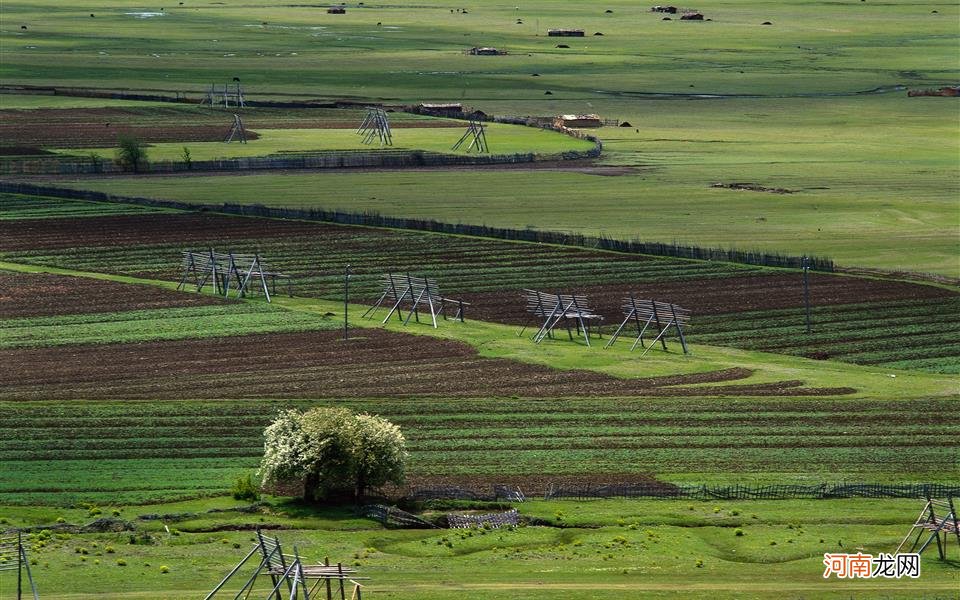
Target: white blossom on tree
331, 450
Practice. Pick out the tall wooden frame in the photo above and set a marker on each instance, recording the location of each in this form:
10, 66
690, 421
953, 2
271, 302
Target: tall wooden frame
406, 292
641, 314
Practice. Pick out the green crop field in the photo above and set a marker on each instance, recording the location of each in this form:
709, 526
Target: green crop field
129, 408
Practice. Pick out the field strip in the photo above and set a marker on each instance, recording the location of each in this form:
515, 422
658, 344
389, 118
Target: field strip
494, 340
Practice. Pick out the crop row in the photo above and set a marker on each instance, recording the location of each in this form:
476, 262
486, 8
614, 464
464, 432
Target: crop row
321, 275
38, 437
18, 207
165, 324
590, 411
903, 334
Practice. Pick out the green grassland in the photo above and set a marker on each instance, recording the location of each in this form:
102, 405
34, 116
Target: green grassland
599, 549
505, 139
418, 50
595, 549
874, 173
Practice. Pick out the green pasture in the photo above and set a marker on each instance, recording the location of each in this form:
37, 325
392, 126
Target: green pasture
596, 549
810, 103
38, 101
873, 181
417, 51
505, 139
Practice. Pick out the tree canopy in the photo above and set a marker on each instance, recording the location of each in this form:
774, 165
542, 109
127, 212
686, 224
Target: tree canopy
332, 451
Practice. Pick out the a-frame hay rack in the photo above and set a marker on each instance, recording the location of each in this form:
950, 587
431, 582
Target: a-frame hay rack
644, 314
227, 95
477, 134
376, 126
413, 294
242, 273
290, 578
236, 131
13, 557
939, 518
559, 310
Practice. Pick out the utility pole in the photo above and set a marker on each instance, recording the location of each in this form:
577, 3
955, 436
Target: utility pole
346, 303
805, 262
19, 564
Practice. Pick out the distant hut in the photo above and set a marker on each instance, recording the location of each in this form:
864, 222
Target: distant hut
565, 32
578, 121
336, 10
441, 109
485, 51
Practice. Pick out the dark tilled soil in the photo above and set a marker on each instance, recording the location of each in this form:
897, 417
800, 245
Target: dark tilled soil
42, 295
139, 230
716, 296
320, 365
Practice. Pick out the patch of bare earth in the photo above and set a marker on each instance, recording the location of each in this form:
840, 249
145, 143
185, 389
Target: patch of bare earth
42, 295
320, 365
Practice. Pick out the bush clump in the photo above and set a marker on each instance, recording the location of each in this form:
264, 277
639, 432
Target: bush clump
244, 488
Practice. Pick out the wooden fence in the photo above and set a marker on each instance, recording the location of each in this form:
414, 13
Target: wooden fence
341, 159
503, 233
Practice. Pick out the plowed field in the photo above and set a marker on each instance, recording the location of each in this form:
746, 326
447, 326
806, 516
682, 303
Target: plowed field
41, 295
319, 365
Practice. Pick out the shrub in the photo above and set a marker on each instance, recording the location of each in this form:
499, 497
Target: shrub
244, 488
121, 562
96, 161
132, 154
164, 569
738, 532
109, 550
699, 563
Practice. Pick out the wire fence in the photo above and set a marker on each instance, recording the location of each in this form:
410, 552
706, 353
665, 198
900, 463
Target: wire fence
750, 257
578, 491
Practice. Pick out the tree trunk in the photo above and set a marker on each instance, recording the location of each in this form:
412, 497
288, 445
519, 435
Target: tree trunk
310, 483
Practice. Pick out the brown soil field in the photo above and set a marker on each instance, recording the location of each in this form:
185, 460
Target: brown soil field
320, 365
716, 296
98, 127
42, 295
139, 230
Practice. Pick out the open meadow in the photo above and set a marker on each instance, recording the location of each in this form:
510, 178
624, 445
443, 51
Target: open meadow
814, 103
795, 414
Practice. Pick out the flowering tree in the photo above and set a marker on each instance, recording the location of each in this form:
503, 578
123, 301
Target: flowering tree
331, 451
